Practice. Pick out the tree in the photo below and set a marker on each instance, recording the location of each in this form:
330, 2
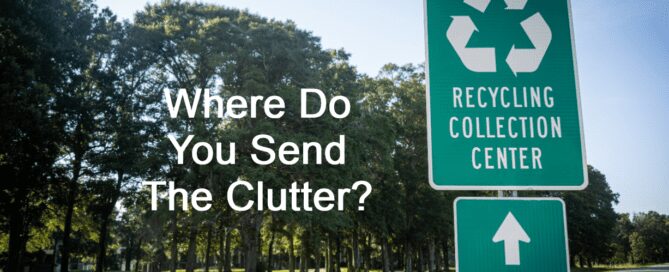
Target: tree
397, 140
127, 124
621, 240
233, 52
40, 52
80, 105
650, 239
84, 121
590, 217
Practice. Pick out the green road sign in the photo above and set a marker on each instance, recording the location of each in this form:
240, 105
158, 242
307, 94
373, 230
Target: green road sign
510, 234
503, 101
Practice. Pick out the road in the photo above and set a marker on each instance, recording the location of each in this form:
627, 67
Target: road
654, 268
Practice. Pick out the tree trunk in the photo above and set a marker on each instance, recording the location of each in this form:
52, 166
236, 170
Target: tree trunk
102, 244
207, 253
17, 239
67, 229
303, 253
356, 251
421, 259
368, 254
408, 255
444, 250
384, 254
291, 251
174, 253
270, 251
318, 257
161, 259
192, 244
431, 256
337, 253
104, 235
138, 257
439, 262
71, 200
227, 258
349, 259
328, 254
128, 254
221, 246
399, 256
260, 262
632, 258
107, 210
250, 231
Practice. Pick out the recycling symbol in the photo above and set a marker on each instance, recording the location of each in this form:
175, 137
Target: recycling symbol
482, 60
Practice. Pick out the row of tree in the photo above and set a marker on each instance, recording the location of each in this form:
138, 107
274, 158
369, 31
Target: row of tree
84, 123
641, 239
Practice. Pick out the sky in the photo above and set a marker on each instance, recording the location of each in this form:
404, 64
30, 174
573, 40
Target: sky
622, 51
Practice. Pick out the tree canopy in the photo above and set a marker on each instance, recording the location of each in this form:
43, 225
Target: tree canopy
85, 122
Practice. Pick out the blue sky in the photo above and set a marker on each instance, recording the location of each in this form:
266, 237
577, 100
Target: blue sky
623, 56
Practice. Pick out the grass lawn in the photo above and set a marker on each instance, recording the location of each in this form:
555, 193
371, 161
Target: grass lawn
282, 270
597, 268
213, 269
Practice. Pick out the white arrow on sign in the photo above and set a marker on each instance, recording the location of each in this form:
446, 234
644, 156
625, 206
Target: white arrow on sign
479, 5
475, 59
515, 4
512, 234
528, 60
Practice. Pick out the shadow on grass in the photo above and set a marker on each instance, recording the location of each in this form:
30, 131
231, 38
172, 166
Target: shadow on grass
623, 267
286, 270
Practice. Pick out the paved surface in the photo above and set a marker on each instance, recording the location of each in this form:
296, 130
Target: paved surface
654, 268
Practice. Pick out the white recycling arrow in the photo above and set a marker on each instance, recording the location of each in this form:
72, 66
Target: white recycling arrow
528, 60
515, 4
512, 234
479, 5
475, 59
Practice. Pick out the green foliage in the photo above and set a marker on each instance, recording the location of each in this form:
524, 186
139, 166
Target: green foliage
590, 217
621, 241
84, 122
650, 239
43, 56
